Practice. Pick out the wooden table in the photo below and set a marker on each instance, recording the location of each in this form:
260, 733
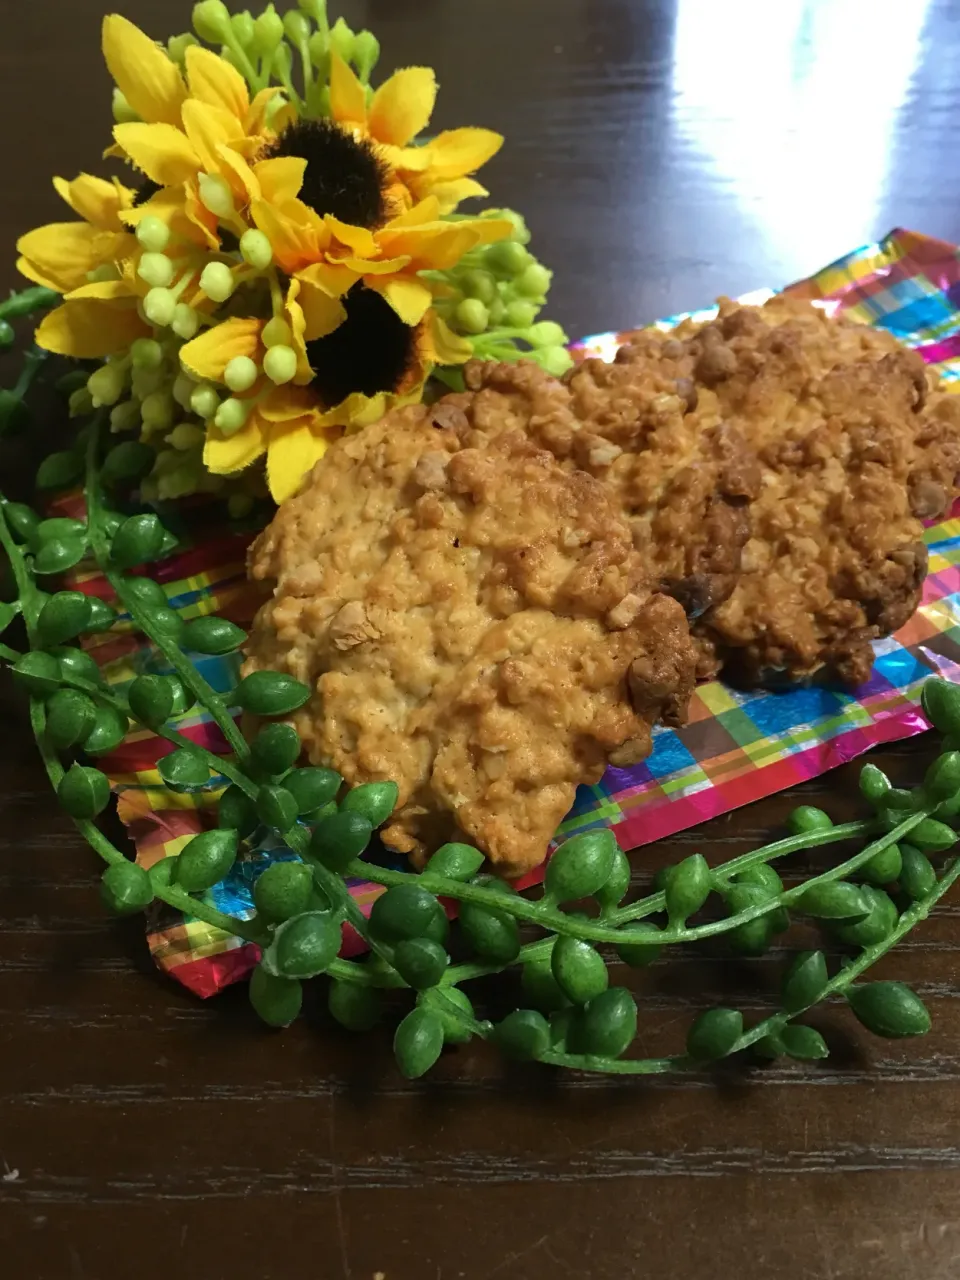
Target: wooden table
663, 152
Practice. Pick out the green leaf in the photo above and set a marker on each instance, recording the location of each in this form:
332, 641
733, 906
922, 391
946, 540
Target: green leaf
806, 819
57, 527
580, 866
168, 626
494, 935
874, 784
275, 749
151, 700
339, 839
271, 693
163, 873
237, 810
760, 876
70, 717
642, 951
355, 1005
418, 1042
283, 890
149, 595
421, 962
276, 808
454, 1032
126, 463
23, 520
60, 471
139, 538
38, 674
889, 1009
125, 889
213, 635
523, 1034
833, 900
83, 792
58, 555
917, 876
942, 779
803, 1043
688, 888
608, 1024
614, 889
312, 787
714, 1034
579, 969
102, 615
874, 927
77, 663
184, 770
455, 862
109, 730
374, 800
884, 867
303, 946
276, 1000
932, 836
941, 704
407, 911
541, 988
804, 981
206, 859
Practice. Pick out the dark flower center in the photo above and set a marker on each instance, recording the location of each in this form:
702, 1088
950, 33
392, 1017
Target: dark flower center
344, 176
146, 191
370, 351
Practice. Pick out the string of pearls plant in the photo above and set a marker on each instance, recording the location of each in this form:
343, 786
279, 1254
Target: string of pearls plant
561, 941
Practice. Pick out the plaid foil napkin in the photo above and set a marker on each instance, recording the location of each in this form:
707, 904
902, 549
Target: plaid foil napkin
736, 748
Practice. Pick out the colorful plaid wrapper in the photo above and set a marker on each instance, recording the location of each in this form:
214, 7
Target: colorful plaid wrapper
737, 746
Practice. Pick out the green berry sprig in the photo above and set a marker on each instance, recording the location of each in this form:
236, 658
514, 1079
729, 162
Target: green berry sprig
570, 1014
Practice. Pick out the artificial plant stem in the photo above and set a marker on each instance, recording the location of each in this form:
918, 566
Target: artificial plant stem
536, 912
208, 698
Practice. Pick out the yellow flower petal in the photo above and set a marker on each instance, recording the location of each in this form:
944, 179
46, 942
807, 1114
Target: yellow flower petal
201, 224
358, 410
359, 239
321, 312
407, 159
215, 82
294, 237
425, 211
284, 404
174, 206
163, 153
208, 355
292, 452
107, 290
348, 98
374, 266
332, 280
32, 272
460, 151
444, 346
99, 202
257, 115
91, 328
409, 298
449, 194
225, 454
144, 74
207, 128
403, 105
281, 178
238, 173
65, 251
438, 246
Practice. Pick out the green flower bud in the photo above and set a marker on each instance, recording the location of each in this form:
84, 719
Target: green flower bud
216, 281
204, 400
342, 39
521, 315
546, 334
534, 282
153, 234
256, 249
280, 364
233, 413
157, 411
418, 1042
240, 374
507, 258
107, 384
185, 321
297, 27
277, 333
159, 306
472, 316
146, 353
319, 47
216, 196
155, 269
243, 28
211, 21
123, 113
268, 31
366, 54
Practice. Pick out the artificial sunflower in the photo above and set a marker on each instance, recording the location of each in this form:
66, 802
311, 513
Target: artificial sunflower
399, 110
66, 255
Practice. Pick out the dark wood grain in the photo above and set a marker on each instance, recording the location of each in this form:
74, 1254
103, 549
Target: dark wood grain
663, 152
